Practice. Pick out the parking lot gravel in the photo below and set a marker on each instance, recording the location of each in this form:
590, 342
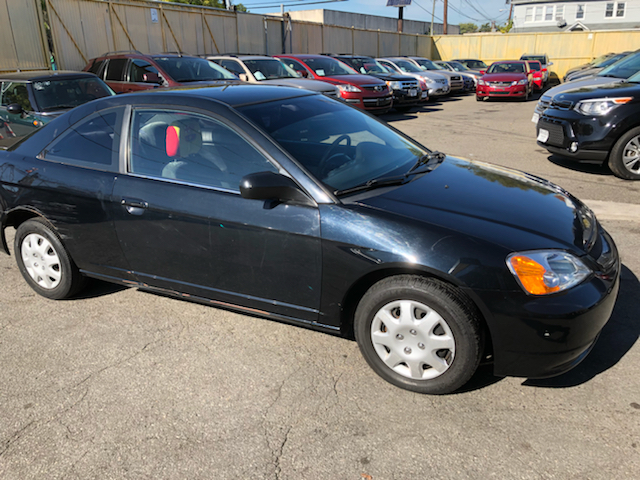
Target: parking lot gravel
123, 384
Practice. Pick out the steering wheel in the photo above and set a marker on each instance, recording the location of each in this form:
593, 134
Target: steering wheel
325, 161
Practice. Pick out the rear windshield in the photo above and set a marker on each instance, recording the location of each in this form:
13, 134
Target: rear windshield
190, 69
265, 69
51, 95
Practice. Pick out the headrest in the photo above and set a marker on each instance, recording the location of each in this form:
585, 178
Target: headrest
183, 138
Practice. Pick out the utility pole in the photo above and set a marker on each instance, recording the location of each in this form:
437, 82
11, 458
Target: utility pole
433, 9
446, 7
400, 19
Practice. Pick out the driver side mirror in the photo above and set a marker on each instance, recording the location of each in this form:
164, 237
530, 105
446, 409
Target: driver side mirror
271, 186
15, 109
302, 73
244, 77
151, 77
482, 72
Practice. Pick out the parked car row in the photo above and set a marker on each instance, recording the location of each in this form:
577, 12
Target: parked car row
595, 118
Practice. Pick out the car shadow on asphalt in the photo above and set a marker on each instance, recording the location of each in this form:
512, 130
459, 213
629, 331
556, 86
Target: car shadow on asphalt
593, 168
98, 288
617, 337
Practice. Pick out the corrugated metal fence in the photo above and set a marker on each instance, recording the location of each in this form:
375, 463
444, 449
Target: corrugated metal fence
22, 38
83, 29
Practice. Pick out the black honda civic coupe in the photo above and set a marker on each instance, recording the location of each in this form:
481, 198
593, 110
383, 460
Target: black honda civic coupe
296, 207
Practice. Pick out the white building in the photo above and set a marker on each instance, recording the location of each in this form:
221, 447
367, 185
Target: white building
572, 15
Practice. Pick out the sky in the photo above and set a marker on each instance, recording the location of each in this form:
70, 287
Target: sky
460, 11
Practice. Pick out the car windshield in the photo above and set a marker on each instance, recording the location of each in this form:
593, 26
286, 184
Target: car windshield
506, 68
341, 146
623, 68
366, 65
427, 64
407, 66
535, 66
475, 64
609, 61
328, 67
51, 95
540, 58
266, 69
191, 69
458, 67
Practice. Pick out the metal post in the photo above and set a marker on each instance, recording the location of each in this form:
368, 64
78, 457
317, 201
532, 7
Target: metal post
400, 11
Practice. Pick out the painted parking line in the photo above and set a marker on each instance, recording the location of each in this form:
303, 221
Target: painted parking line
614, 210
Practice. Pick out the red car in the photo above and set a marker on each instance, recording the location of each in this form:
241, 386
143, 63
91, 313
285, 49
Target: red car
133, 71
364, 91
538, 74
506, 79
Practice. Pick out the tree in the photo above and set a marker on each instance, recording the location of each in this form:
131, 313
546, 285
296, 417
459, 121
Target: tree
210, 3
468, 28
506, 27
486, 27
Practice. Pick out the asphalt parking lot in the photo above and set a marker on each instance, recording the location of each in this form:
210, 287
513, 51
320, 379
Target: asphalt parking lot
123, 384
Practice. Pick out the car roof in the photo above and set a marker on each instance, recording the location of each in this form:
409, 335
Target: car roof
43, 75
234, 95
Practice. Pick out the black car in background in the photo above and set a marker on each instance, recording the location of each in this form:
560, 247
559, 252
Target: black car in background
596, 124
290, 205
28, 100
406, 90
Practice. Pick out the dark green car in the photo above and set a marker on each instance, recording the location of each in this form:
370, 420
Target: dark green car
28, 100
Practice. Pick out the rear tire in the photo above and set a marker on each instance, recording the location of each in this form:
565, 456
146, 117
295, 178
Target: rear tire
624, 159
419, 334
44, 262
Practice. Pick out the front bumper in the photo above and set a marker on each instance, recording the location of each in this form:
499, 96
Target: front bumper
406, 97
567, 133
543, 336
439, 90
517, 91
369, 103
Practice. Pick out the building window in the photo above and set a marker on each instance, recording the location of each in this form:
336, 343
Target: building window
548, 14
608, 12
559, 12
620, 9
538, 17
580, 11
529, 15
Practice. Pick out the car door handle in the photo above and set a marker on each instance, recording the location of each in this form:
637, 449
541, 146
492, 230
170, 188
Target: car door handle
134, 206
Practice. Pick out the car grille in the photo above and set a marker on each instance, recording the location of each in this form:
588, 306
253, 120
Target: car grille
374, 88
455, 78
409, 84
442, 81
377, 102
500, 93
562, 105
500, 84
556, 132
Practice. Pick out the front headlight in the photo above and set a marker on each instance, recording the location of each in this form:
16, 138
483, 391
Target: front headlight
482, 82
395, 85
349, 88
543, 272
600, 106
524, 81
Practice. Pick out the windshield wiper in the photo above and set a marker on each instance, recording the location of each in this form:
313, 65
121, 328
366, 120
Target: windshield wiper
431, 160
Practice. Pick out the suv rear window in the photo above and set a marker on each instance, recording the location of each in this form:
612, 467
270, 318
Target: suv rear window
192, 69
115, 69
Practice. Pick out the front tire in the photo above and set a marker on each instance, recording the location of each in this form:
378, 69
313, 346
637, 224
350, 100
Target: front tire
419, 334
44, 262
624, 159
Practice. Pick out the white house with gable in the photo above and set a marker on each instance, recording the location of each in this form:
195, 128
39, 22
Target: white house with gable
572, 15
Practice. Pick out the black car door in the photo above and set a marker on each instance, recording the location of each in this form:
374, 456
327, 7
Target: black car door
183, 225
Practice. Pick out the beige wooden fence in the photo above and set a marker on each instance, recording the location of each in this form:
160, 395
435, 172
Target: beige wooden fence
565, 49
22, 38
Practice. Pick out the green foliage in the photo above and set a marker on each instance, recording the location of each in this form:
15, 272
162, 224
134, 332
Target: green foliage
209, 3
468, 28
485, 27
506, 27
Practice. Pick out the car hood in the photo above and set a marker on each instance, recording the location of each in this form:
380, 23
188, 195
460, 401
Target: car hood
587, 72
309, 84
393, 77
619, 89
503, 77
504, 206
586, 82
356, 79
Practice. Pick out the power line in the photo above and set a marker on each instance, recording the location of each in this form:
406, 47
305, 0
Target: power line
430, 13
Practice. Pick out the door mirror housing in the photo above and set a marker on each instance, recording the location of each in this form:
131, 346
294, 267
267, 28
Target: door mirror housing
244, 77
482, 72
151, 77
302, 73
272, 186
15, 109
